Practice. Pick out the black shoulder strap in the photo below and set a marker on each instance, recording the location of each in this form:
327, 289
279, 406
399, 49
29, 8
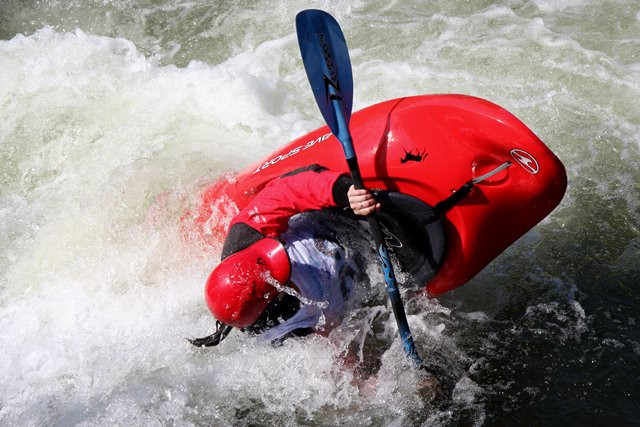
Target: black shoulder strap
314, 167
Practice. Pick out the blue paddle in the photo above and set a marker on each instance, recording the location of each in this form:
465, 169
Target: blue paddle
326, 61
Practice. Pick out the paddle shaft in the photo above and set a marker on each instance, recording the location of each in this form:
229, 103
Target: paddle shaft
326, 61
381, 246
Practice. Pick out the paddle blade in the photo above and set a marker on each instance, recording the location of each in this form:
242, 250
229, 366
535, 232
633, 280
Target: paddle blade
326, 61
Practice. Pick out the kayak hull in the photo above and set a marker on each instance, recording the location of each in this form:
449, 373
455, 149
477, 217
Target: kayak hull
426, 147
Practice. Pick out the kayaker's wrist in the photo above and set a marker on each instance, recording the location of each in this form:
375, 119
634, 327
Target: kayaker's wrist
340, 189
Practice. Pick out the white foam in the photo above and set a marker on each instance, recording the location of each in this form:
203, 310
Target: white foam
553, 6
107, 147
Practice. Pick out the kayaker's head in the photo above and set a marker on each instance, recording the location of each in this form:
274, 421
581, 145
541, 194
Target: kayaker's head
238, 289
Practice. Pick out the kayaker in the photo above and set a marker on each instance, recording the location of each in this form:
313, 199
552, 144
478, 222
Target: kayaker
281, 274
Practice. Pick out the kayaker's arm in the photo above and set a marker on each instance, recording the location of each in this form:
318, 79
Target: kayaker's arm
268, 213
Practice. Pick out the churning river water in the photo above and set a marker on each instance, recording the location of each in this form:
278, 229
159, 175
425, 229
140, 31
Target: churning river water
115, 113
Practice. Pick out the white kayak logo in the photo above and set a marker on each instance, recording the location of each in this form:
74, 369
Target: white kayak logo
293, 152
526, 160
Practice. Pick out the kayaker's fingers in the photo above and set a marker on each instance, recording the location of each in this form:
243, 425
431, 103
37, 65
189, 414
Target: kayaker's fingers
375, 207
367, 211
361, 201
365, 207
359, 205
356, 193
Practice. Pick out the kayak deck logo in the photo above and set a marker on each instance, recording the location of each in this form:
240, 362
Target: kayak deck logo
293, 152
409, 156
525, 160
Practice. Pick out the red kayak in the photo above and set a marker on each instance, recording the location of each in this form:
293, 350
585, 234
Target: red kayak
459, 179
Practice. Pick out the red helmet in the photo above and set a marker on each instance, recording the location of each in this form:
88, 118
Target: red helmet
237, 290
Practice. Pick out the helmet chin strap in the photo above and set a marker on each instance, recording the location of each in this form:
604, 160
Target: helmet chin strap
214, 339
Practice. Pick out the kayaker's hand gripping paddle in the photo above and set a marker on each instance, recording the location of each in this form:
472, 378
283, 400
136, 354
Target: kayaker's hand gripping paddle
326, 61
